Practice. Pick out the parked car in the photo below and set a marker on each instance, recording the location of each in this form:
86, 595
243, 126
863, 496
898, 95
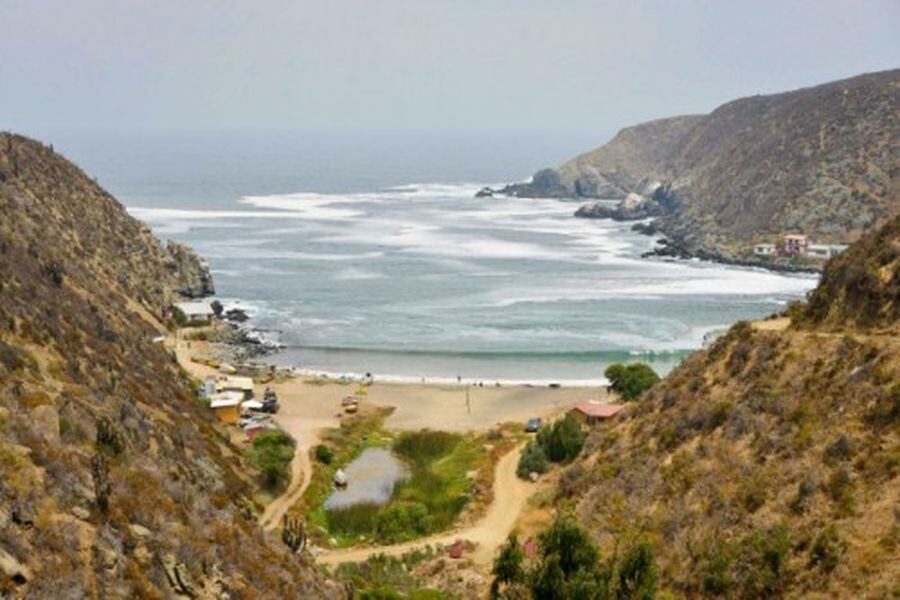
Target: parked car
533, 424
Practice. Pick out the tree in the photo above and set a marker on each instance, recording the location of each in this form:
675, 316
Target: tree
563, 441
271, 454
533, 460
630, 381
508, 567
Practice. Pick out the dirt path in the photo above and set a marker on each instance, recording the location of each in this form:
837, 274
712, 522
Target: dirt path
489, 533
301, 475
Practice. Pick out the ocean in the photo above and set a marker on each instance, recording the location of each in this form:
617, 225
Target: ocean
369, 253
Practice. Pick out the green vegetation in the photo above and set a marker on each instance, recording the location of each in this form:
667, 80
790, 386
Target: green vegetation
630, 381
270, 454
570, 567
563, 441
324, 454
430, 500
388, 578
533, 460
560, 442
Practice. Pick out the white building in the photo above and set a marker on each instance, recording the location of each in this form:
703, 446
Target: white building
764, 249
196, 311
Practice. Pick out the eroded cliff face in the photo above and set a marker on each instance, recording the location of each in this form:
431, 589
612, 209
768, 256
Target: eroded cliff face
114, 480
820, 160
769, 464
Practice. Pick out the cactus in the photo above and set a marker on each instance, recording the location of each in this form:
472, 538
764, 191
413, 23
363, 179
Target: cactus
108, 437
102, 486
293, 534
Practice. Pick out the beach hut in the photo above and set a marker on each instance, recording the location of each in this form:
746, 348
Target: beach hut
197, 313
226, 406
236, 384
591, 413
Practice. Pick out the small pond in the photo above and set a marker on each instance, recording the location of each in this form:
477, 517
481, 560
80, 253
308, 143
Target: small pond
371, 478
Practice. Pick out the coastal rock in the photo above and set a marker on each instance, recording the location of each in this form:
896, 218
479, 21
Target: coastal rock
191, 273
236, 315
484, 192
546, 183
632, 208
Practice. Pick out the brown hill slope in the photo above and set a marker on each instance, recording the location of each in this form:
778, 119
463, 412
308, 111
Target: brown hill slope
768, 464
90, 405
821, 160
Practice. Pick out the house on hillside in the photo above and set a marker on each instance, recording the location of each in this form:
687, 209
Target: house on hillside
591, 413
795, 244
824, 251
764, 249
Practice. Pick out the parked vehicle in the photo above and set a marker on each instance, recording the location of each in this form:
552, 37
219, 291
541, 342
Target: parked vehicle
533, 424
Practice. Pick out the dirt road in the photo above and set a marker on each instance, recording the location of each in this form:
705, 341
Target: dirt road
489, 533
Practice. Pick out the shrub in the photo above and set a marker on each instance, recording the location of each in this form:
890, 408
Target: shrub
508, 568
563, 441
763, 555
826, 549
533, 460
324, 454
271, 454
630, 381
402, 520
636, 575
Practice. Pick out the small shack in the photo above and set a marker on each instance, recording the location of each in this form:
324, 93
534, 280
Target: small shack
591, 413
244, 385
196, 312
227, 406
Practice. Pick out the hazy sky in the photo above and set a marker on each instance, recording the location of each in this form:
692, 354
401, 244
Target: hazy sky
479, 65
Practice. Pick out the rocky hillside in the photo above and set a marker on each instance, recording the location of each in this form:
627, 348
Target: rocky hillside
115, 482
767, 465
820, 160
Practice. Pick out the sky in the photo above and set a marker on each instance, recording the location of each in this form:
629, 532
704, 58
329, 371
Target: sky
435, 65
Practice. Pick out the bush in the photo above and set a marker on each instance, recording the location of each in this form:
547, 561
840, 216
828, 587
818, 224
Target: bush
826, 549
271, 454
533, 460
324, 454
630, 381
402, 520
563, 441
508, 566
569, 566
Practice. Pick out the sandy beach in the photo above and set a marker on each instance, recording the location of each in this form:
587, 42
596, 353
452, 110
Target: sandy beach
310, 405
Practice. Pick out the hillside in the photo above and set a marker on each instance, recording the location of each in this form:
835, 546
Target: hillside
767, 465
115, 483
820, 160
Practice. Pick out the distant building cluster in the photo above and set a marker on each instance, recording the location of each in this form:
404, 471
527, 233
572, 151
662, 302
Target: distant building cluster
796, 244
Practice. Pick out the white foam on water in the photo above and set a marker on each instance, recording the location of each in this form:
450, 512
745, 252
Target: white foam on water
356, 274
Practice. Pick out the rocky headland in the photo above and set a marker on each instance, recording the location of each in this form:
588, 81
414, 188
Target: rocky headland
821, 161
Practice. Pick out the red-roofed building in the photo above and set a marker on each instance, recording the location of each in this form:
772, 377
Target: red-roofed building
592, 413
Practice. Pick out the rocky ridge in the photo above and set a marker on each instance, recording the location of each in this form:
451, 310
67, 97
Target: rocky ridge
768, 465
820, 160
114, 480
